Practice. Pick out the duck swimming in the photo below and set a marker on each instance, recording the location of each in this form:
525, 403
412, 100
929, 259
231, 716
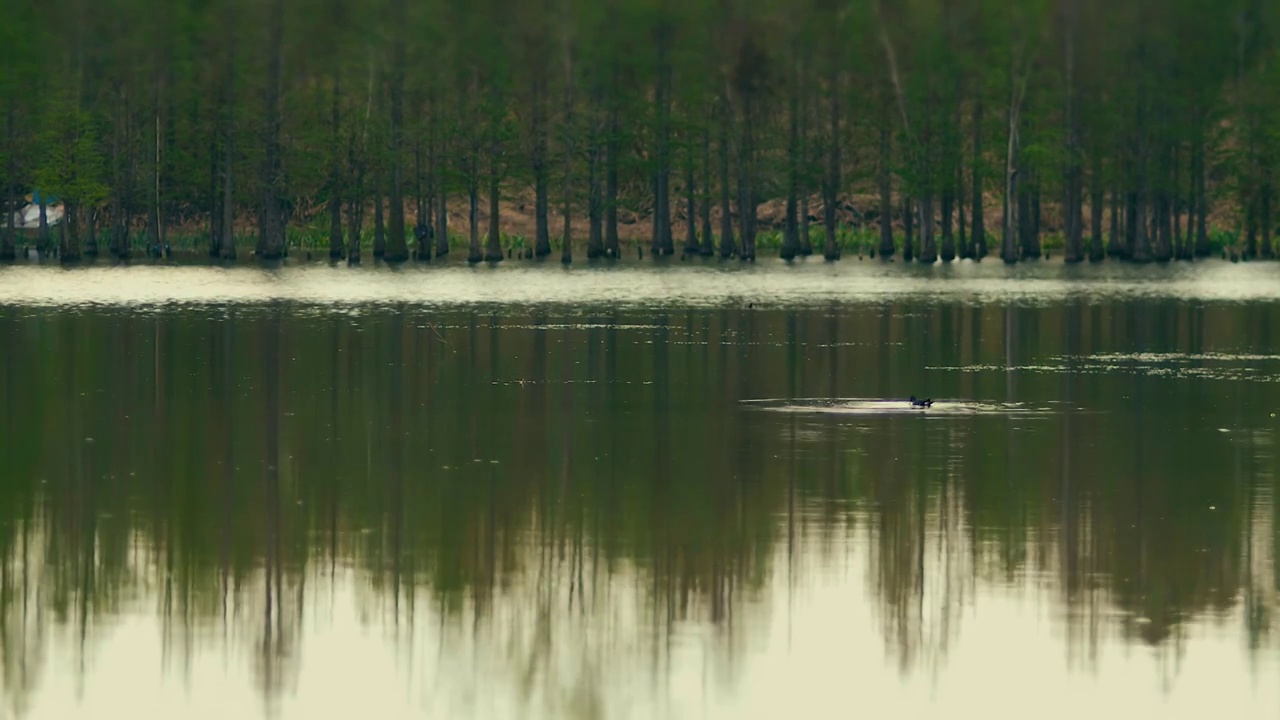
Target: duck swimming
921, 403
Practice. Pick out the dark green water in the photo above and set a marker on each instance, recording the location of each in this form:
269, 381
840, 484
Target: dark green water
261, 506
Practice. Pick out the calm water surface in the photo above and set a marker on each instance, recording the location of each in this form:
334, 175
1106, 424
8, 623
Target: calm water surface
649, 493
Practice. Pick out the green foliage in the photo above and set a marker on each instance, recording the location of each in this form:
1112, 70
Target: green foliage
133, 105
1220, 240
1053, 241
307, 237
70, 165
769, 239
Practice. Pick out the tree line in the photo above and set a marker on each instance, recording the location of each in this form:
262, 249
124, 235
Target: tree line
951, 128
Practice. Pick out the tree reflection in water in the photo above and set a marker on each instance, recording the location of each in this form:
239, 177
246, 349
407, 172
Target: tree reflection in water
559, 510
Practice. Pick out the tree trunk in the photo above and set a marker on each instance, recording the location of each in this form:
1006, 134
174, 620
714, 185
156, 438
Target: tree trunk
1012, 194
473, 211
707, 247
7, 252
728, 247
1072, 215
566, 241
70, 250
422, 209
397, 249
43, 240
1029, 217
214, 199
130, 174
425, 231
1264, 218
1140, 204
226, 225
612, 246
806, 242
493, 248
1164, 229
91, 234
1250, 223
908, 229
886, 249
791, 228
746, 181
566, 237
434, 180
1115, 243
355, 205
379, 221
1097, 203
928, 244
948, 239
1200, 198
155, 211
1164, 212
979, 236
804, 159
336, 249
1181, 242
377, 168
690, 209
272, 242
442, 216
831, 184
595, 202
117, 175
541, 202
662, 241
119, 226
493, 236
1133, 223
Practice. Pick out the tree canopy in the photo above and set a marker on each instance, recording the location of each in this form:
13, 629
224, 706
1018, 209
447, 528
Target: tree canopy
243, 118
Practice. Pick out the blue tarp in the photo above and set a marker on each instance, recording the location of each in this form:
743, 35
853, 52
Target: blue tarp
50, 200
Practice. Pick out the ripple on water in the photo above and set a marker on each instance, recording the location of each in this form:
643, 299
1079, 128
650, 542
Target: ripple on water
879, 406
1249, 367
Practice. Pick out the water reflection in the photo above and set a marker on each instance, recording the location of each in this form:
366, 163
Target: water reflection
587, 514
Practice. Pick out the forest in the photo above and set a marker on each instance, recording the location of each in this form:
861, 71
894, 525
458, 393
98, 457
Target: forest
929, 130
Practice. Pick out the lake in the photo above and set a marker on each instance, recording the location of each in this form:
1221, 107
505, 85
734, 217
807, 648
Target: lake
639, 491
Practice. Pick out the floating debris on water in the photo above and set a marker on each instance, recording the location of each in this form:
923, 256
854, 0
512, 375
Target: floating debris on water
880, 406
